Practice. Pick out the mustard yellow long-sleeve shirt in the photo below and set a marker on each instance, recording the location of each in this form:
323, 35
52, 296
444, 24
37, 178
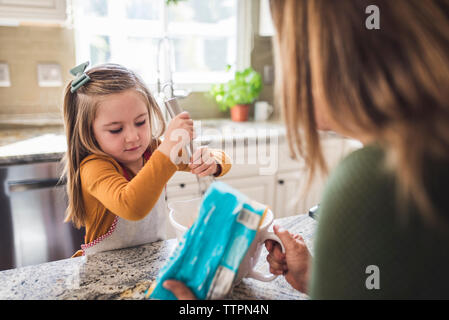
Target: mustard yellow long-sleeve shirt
107, 193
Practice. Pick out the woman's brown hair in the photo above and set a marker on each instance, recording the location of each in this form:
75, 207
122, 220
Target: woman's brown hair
79, 111
389, 85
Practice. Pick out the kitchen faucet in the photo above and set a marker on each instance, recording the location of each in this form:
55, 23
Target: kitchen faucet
170, 101
161, 87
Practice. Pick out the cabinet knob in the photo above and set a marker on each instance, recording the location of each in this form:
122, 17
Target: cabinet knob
281, 181
182, 185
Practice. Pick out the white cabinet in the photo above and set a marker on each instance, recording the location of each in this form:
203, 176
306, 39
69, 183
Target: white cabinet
259, 188
182, 191
293, 193
182, 186
33, 10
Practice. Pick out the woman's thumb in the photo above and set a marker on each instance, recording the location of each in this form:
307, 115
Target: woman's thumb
286, 237
179, 289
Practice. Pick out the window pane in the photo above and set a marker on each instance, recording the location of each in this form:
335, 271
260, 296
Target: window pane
100, 50
187, 58
143, 9
215, 53
204, 34
200, 54
98, 8
140, 56
210, 11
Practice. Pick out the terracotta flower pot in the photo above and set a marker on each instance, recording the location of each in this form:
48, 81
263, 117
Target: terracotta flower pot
240, 112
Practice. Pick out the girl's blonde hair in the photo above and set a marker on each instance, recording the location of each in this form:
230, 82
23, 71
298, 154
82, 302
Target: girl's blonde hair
79, 111
390, 84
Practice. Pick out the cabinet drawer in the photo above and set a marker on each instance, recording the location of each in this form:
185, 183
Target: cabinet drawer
175, 190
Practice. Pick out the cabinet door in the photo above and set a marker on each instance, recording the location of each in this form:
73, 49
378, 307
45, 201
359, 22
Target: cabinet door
182, 191
259, 188
288, 196
293, 196
33, 10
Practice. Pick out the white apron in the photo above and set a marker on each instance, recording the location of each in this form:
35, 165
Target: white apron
124, 233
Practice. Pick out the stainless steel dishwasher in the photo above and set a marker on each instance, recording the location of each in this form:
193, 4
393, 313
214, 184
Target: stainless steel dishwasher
32, 208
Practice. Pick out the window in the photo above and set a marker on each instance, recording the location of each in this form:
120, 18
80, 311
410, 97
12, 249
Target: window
189, 43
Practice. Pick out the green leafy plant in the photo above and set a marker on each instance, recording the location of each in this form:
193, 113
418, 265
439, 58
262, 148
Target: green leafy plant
243, 89
174, 2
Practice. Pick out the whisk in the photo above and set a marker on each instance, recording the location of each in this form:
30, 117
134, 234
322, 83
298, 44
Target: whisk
174, 109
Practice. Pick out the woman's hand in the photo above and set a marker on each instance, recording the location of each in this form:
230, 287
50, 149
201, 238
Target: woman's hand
179, 289
203, 162
295, 263
179, 133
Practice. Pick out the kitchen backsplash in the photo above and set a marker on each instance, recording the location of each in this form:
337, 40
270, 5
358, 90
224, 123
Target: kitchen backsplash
22, 48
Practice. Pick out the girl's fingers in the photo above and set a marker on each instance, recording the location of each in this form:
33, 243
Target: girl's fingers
201, 158
203, 167
211, 170
196, 158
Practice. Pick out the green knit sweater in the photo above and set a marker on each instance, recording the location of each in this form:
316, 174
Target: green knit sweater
359, 226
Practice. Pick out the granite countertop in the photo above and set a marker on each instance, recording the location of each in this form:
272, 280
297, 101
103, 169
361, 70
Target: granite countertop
30, 144
127, 273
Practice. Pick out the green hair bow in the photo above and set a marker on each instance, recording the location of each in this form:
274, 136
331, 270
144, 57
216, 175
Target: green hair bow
81, 76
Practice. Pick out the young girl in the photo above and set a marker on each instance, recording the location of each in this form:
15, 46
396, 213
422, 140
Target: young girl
116, 165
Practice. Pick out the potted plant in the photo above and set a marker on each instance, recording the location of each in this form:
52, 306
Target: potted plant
238, 93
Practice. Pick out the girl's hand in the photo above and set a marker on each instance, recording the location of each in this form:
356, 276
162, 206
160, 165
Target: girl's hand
179, 133
203, 162
294, 263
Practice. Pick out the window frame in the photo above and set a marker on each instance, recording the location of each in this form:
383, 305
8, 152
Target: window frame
120, 29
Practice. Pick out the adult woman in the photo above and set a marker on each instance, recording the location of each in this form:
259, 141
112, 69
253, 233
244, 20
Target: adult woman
384, 216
